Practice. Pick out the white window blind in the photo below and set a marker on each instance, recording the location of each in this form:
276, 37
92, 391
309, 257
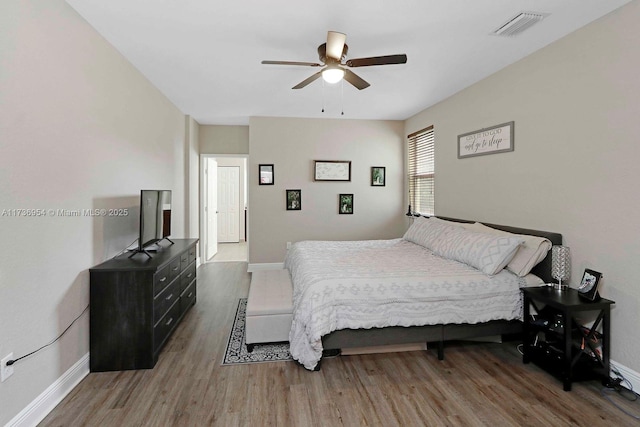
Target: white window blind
421, 171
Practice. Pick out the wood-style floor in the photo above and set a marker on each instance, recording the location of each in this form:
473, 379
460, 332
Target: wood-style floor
478, 384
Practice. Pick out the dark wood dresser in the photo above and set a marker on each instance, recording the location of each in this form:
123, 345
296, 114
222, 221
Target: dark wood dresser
136, 303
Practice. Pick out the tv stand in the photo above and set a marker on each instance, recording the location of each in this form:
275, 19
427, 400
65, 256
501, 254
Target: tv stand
146, 249
165, 238
140, 251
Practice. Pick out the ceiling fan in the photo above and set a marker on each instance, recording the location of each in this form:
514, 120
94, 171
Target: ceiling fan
332, 54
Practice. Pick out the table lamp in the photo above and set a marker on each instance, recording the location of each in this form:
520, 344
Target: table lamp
560, 265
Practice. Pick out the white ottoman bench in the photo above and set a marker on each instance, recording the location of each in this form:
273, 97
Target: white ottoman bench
269, 307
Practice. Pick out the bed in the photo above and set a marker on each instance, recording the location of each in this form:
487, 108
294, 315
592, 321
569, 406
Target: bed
425, 287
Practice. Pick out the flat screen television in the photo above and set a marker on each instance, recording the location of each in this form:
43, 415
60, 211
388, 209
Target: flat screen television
155, 219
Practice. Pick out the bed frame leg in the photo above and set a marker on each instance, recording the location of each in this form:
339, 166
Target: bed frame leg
250, 348
440, 350
331, 353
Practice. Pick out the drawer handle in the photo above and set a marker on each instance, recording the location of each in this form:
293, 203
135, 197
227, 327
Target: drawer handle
169, 297
169, 322
189, 275
175, 268
190, 295
163, 279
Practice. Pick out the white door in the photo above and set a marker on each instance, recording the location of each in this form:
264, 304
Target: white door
228, 204
211, 206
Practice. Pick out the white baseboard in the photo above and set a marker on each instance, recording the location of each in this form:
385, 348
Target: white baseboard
37, 410
629, 374
265, 266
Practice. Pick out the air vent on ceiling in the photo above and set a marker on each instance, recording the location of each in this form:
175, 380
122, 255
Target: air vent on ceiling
519, 23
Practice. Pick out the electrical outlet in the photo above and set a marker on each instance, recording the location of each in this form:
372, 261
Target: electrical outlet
288, 245
6, 371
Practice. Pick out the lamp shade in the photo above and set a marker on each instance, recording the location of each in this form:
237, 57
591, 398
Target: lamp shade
560, 263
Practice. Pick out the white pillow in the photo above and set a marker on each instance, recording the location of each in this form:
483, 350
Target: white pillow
425, 231
531, 252
452, 223
488, 253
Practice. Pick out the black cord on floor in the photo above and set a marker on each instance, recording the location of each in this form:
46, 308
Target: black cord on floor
626, 391
11, 362
615, 385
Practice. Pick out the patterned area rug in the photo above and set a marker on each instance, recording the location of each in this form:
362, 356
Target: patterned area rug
236, 352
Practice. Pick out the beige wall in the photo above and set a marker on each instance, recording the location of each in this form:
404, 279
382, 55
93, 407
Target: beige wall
218, 139
292, 145
80, 128
575, 168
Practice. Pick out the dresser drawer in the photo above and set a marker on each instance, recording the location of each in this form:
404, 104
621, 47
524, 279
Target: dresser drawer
188, 276
161, 280
188, 298
165, 299
164, 327
174, 268
184, 260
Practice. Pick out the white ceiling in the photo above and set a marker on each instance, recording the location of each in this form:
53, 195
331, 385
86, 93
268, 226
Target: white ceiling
204, 55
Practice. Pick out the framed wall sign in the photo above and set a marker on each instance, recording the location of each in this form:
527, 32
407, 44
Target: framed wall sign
378, 176
332, 170
266, 175
294, 200
491, 140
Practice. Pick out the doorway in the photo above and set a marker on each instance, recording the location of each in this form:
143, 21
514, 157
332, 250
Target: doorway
223, 208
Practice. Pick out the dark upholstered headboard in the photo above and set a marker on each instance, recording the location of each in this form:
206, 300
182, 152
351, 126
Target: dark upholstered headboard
542, 270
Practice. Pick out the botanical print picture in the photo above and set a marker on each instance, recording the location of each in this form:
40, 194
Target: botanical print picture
346, 204
378, 176
294, 200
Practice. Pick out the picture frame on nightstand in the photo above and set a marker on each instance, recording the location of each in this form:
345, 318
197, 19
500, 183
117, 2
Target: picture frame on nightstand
588, 288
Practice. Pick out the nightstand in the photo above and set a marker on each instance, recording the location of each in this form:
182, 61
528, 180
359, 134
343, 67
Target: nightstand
554, 340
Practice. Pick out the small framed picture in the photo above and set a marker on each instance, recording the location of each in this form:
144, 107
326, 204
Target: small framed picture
266, 174
589, 285
378, 176
345, 204
294, 200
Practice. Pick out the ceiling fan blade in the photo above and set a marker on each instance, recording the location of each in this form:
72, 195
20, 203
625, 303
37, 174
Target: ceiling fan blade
308, 80
355, 80
377, 60
335, 44
308, 64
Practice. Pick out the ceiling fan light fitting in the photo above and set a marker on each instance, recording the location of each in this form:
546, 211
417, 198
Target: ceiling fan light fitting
333, 75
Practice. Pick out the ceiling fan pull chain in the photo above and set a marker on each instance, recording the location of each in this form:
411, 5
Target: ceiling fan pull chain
323, 95
342, 97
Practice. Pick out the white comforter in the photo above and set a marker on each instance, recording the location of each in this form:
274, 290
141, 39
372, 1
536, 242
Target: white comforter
378, 283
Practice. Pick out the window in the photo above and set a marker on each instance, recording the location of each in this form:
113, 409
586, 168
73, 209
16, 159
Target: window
421, 171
